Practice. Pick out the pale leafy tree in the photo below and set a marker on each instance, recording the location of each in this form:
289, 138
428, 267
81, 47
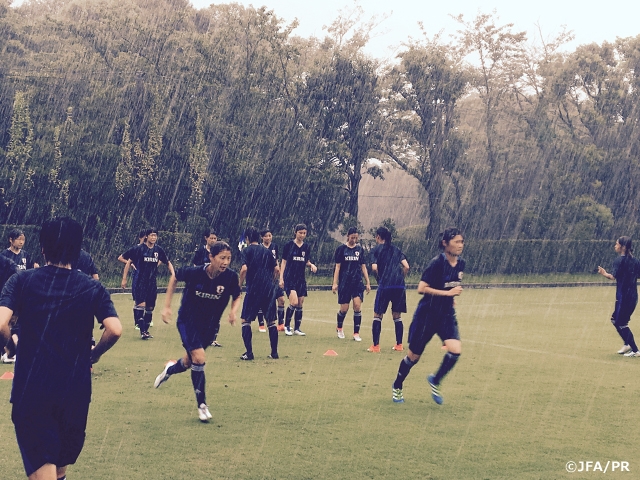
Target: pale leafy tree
198, 163
60, 204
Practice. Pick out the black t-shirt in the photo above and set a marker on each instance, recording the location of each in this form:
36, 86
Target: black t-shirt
389, 260
146, 261
204, 299
440, 275
7, 269
55, 309
85, 264
626, 271
201, 256
350, 261
260, 267
297, 258
23, 260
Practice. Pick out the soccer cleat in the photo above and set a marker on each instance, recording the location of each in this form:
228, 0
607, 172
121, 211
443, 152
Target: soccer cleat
164, 376
287, 331
632, 354
340, 332
151, 324
435, 391
262, 329
356, 337
624, 349
246, 356
396, 395
281, 327
397, 347
374, 349
203, 413
299, 332
273, 356
137, 327
215, 344
7, 359
145, 336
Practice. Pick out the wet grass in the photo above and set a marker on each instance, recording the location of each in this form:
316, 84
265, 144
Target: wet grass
538, 385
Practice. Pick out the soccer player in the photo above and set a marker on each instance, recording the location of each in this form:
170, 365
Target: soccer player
391, 266
267, 242
52, 384
626, 270
202, 254
347, 281
295, 258
261, 270
205, 296
440, 283
142, 237
7, 269
147, 257
15, 252
85, 265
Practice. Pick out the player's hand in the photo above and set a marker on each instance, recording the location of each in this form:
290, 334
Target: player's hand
36, 265
123, 284
368, 288
602, 271
313, 268
232, 318
334, 288
166, 314
455, 291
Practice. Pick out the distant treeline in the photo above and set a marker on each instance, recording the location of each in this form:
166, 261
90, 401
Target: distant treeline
126, 114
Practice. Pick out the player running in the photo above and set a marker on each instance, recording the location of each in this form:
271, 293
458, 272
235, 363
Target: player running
295, 258
347, 281
626, 270
146, 256
391, 266
205, 296
435, 314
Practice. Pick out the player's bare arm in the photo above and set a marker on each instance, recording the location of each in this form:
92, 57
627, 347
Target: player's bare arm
171, 288
336, 276
111, 334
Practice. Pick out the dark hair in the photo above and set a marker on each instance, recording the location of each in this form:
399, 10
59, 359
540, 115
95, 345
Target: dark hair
252, 235
384, 234
151, 230
218, 247
143, 233
352, 230
626, 242
265, 231
300, 226
15, 233
208, 232
448, 235
61, 240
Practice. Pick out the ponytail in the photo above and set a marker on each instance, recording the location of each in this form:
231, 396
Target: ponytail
626, 242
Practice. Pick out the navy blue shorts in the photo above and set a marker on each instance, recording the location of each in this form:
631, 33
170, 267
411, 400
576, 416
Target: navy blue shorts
194, 338
254, 302
50, 432
147, 293
299, 287
622, 313
279, 292
425, 325
396, 296
346, 294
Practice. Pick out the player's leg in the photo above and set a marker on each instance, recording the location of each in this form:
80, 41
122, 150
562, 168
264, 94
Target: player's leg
448, 331
280, 296
380, 306
199, 382
149, 305
343, 302
357, 316
261, 327
272, 327
189, 339
302, 293
622, 326
398, 307
248, 315
293, 303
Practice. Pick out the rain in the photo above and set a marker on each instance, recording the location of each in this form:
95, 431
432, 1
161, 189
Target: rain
155, 113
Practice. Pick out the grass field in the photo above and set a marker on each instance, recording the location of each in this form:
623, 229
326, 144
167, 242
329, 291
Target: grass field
538, 385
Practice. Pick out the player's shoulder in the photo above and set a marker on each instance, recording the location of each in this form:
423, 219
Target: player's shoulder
229, 276
6, 253
437, 260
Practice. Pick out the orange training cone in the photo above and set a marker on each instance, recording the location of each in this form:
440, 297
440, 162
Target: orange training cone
9, 376
330, 353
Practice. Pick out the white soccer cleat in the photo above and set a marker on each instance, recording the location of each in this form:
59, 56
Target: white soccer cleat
632, 354
300, 333
164, 376
8, 359
356, 337
624, 349
203, 413
287, 331
340, 333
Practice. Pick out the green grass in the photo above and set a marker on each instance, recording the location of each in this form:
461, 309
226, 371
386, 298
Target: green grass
538, 384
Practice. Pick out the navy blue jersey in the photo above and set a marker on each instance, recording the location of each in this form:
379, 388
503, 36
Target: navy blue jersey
146, 261
273, 248
23, 260
297, 258
260, 269
204, 299
440, 275
201, 256
56, 308
7, 269
626, 270
350, 261
389, 260
85, 264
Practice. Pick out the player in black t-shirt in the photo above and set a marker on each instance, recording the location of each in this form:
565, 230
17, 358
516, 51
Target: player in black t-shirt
205, 296
202, 254
51, 391
295, 258
15, 252
625, 272
391, 266
7, 269
142, 237
440, 283
146, 257
260, 270
267, 242
347, 281
85, 265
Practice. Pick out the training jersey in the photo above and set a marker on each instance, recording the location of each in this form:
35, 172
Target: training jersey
440, 275
204, 299
7, 269
297, 258
23, 260
201, 256
146, 261
626, 270
85, 264
273, 248
389, 260
55, 308
260, 269
350, 261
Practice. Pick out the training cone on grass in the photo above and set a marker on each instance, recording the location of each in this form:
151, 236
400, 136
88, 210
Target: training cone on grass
9, 375
330, 353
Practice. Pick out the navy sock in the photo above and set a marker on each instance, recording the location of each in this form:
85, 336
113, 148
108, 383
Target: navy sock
146, 321
376, 328
629, 339
260, 318
177, 368
280, 314
197, 378
622, 334
298, 318
341, 316
138, 313
215, 335
397, 323
357, 321
447, 364
403, 370
290, 311
247, 336
273, 337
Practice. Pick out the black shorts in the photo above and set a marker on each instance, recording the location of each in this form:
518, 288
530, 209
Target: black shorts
50, 432
194, 338
147, 293
346, 294
622, 313
426, 324
396, 296
279, 292
254, 302
300, 287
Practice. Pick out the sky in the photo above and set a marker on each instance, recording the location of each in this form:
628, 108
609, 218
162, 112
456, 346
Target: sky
589, 21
